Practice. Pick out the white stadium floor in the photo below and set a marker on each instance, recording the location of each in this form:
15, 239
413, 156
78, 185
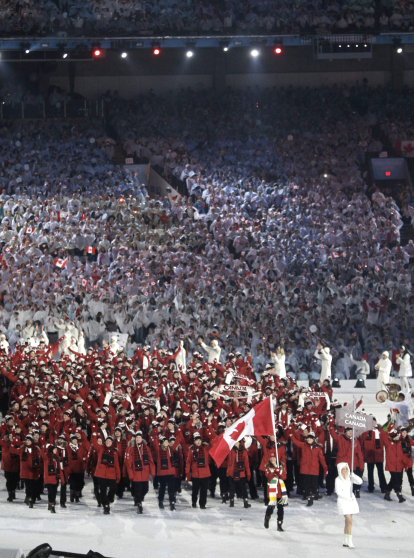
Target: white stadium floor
381, 530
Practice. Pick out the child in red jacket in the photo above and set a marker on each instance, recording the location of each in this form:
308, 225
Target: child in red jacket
276, 490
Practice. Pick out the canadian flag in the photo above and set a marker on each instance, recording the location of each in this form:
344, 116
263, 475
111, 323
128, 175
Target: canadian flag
377, 269
335, 254
84, 282
405, 146
258, 421
60, 263
90, 250
28, 230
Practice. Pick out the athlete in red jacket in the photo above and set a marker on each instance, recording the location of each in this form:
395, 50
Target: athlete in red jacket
107, 472
52, 473
311, 457
10, 466
344, 455
238, 471
272, 471
394, 463
139, 466
407, 443
197, 466
165, 470
373, 443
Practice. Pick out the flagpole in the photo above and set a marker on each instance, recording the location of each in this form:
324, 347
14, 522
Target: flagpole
353, 442
274, 429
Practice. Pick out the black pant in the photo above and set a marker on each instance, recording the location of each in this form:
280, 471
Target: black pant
298, 478
224, 480
359, 473
106, 490
331, 476
213, 477
289, 475
200, 486
395, 482
30, 489
121, 486
38, 487
51, 493
169, 482
12, 480
139, 490
76, 482
410, 476
381, 476
63, 494
310, 485
239, 485
252, 485
280, 511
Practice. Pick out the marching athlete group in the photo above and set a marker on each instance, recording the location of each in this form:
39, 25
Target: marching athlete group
109, 417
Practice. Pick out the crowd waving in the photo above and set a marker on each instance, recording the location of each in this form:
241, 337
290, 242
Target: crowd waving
172, 17
136, 330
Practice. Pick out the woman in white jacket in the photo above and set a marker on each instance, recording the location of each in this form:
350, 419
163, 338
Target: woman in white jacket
181, 358
278, 358
383, 366
404, 360
347, 504
324, 355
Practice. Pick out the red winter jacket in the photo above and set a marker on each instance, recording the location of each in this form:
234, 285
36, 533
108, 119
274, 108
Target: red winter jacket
406, 444
345, 450
51, 468
238, 464
77, 458
373, 448
165, 459
311, 457
197, 462
9, 461
139, 463
107, 466
29, 461
394, 457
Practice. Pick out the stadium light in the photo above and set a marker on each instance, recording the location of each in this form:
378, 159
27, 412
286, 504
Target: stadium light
254, 52
278, 50
156, 49
189, 53
124, 54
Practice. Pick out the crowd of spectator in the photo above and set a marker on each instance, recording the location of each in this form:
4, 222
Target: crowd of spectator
173, 17
273, 241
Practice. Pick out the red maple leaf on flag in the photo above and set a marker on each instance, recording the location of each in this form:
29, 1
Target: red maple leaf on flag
409, 148
237, 431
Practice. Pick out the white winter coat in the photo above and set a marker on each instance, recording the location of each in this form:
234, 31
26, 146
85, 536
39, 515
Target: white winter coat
347, 504
213, 353
280, 369
384, 370
326, 358
405, 366
181, 359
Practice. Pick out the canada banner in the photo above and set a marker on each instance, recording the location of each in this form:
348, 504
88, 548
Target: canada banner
258, 421
90, 250
60, 263
406, 147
